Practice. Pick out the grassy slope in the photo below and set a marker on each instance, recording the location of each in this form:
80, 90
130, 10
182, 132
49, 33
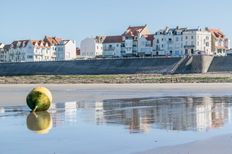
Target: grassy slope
136, 78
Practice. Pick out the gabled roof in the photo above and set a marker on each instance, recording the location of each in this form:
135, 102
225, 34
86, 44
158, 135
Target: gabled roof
52, 40
113, 39
100, 39
19, 44
174, 31
217, 33
40, 44
135, 30
7, 47
149, 37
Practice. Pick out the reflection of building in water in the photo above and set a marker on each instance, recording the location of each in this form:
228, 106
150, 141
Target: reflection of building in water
220, 113
139, 115
203, 114
2, 110
70, 111
173, 113
95, 111
64, 112
67, 112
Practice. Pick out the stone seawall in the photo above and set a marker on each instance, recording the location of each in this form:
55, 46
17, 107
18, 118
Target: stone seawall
221, 64
201, 64
91, 67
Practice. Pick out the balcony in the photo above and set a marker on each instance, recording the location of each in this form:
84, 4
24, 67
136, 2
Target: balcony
109, 49
189, 46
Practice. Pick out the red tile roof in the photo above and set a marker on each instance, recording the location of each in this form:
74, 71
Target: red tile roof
52, 40
113, 39
150, 37
134, 30
217, 33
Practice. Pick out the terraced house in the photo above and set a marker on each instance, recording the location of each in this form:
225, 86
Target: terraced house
220, 44
35, 50
135, 41
182, 41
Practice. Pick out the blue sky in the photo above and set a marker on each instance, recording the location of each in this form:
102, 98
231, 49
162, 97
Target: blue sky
77, 19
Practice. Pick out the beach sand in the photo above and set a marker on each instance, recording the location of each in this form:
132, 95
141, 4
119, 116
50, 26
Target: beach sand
216, 145
12, 94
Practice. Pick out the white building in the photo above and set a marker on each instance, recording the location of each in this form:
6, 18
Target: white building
137, 41
92, 47
1, 52
182, 41
48, 49
31, 50
112, 46
220, 44
66, 50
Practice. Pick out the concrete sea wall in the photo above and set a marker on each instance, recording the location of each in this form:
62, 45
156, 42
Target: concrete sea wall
221, 64
81, 67
188, 64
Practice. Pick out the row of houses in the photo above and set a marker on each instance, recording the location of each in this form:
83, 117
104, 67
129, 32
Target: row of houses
48, 49
136, 41
139, 41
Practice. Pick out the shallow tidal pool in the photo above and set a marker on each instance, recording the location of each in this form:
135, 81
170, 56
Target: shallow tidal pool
113, 126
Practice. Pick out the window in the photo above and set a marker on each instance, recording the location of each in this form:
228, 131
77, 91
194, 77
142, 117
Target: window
29, 57
186, 37
192, 51
207, 44
192, 37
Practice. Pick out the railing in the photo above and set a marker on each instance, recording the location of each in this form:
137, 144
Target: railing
109, 49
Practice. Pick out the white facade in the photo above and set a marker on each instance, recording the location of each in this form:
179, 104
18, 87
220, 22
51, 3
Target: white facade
91, 47
48, 49
30, 51
197, 41
137, 41
66, 50
220, 44
2, 52
112, 46
112, 49
182, 41
145, 46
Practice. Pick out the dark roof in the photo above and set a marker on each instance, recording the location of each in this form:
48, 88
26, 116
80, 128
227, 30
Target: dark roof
113, 39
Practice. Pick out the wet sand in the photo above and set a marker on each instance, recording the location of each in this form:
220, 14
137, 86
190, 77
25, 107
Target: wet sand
216, 145
12, 95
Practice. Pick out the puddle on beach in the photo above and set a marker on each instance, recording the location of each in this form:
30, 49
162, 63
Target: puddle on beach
114, 126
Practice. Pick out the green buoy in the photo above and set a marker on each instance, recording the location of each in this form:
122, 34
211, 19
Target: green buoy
39, 99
